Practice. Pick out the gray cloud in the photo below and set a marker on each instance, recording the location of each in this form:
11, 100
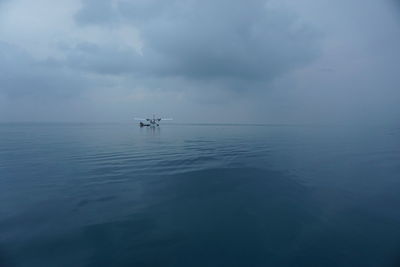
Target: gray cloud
277, 61
224, 44
22, 75
102, 59
95, 12
200, 40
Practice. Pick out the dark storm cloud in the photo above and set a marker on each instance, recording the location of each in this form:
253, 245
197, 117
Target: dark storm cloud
200, 40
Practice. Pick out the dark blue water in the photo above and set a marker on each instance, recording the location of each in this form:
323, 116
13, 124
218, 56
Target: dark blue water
187, 195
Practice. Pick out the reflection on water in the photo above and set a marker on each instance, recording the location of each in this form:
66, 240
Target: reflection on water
151, 130
118, 195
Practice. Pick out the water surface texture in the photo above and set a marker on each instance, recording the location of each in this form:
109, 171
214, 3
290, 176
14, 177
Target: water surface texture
199, 195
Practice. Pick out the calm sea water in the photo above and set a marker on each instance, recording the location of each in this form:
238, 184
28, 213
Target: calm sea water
199, 195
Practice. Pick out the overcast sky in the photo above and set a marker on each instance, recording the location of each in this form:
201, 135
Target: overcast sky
269, 61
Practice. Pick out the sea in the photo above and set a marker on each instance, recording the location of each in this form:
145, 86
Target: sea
199, 195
